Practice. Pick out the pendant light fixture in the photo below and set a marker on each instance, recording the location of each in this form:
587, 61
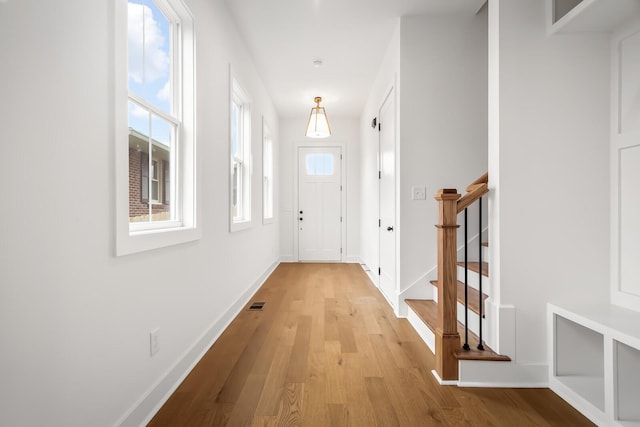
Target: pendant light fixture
318, 125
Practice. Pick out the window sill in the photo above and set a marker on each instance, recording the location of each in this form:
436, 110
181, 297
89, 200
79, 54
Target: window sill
240, 225
153, 227
146, 240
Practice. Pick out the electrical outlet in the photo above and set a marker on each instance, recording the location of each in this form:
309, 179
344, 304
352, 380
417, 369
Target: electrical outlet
419, 192
154, 342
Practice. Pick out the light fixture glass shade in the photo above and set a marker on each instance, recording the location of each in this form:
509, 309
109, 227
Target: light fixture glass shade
318, 125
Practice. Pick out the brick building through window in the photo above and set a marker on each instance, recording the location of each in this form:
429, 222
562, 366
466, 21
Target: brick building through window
149, 181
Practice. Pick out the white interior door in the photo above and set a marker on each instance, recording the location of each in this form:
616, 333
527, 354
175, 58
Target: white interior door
319, 204
387, 198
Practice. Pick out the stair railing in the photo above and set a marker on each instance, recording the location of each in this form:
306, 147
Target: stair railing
450, 204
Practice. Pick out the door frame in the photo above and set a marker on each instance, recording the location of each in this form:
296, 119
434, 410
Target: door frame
343, 194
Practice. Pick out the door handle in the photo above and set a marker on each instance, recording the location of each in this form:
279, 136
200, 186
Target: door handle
389, 228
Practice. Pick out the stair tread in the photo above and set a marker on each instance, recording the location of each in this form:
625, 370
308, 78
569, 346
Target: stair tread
427, 311
475, 266
485, 244
473, 296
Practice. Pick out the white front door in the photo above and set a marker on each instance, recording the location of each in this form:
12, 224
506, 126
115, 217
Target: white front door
387, 198
319, 204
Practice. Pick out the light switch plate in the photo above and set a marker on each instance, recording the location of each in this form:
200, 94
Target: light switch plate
419, 192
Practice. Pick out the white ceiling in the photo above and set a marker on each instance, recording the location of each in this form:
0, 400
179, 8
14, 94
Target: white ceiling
350, 36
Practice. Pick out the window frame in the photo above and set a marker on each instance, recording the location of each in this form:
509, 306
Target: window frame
153, 235
267, 175
155, 182
243, 218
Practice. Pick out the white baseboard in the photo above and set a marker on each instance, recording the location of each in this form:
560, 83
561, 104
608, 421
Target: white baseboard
501, 328
585, 407
441, 381
481, 373
423, 281
146, 407
499, 380
347, 260
372, 277
419, 289
390, 300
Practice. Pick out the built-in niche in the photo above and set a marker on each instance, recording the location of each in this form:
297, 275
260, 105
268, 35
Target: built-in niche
579, 360
595, 361
627, 373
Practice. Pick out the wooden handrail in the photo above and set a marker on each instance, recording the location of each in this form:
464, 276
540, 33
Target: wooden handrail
484, 179
474, 192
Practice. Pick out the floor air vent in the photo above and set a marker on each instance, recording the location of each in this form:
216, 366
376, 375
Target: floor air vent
256, 306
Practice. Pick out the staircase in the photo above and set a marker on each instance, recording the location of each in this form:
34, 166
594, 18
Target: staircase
441, 321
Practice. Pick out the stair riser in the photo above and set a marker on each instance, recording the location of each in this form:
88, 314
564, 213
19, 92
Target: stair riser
473, 319
425, 333
473, 316
474, 280
485, 254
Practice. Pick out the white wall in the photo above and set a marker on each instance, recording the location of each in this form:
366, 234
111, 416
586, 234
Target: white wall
443, 144
75, 319
549, 169
345, 133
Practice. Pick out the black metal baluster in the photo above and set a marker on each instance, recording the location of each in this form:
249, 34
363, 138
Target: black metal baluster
466, 281
480, 302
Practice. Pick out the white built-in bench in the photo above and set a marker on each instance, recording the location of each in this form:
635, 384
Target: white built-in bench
594, 361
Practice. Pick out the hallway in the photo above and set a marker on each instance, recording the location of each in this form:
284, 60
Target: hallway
327, 350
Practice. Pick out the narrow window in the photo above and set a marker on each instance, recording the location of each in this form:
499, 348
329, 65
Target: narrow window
153, 110
240, 148
267, 176
160, 138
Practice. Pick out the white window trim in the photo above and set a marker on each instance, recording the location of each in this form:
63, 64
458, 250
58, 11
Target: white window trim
167, 233
267, 138
236, 92
154, 178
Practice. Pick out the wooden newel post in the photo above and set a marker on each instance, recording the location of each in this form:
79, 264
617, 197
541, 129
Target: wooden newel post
447, 337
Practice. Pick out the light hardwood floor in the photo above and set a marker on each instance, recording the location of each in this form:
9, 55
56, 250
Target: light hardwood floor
327, 350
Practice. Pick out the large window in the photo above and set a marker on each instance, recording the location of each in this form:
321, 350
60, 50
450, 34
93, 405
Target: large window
267, 175
158, 80
153, 113
240, 148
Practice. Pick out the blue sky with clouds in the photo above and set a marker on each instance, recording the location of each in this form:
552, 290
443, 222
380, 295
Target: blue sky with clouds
149, 44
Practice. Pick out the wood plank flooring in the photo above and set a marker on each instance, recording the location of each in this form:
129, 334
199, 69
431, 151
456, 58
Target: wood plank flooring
327, 350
